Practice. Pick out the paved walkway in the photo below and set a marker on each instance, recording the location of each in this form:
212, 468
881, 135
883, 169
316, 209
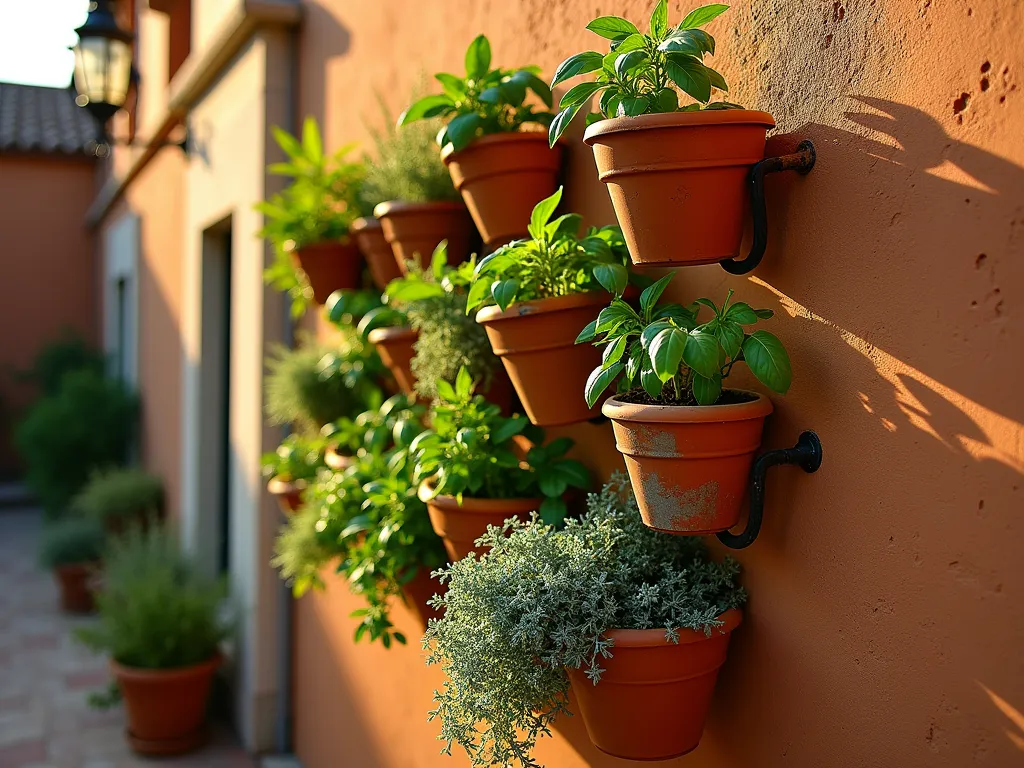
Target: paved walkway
45, 676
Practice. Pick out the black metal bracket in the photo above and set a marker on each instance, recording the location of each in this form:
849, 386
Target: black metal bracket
801, 161
806, 454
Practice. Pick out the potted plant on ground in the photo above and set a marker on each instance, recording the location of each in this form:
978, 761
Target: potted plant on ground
162, 622
308, 222
291, 468
501, 169
121, 498
71, 548
534, 296
688, 443
670, 169
470, 475
636, 623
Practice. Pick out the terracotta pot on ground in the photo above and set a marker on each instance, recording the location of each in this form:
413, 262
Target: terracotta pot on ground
502, 176
415, 229
394, 345
287, 492
337, 461
460, 526
166, 708
678, 181
74, 581
536, 343
689, 465
369, 236
421, 589
654, 695
330, 266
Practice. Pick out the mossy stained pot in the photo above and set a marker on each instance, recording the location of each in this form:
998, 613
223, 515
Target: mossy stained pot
369, 236
287, 492
331, 266
678, 181
501, 177
415, 229
689, 465
654, 696
536, 343
395, 347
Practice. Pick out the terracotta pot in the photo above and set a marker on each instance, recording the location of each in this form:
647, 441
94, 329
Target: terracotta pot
74, 581
369, 236
461, 525
395, 347
502, 176
415, 229
421, 589
536, 343
337, 461
654, 695
678, 181
330, 266
166, 707
689, 465
287, 492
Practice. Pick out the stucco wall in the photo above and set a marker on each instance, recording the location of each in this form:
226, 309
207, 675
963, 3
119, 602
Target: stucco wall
884, 625
49, 260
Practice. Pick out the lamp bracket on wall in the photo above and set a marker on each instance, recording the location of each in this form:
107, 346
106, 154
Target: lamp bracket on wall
102, 144
801, 161
806, 454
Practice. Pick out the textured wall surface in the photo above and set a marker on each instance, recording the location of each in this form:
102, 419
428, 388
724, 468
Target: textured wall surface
885, 625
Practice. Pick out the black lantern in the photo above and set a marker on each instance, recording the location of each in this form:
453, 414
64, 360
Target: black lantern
103, 63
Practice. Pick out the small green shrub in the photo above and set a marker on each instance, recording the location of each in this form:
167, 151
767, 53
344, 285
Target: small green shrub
156, 611
296, 458
120, 494
69, 352
71, 541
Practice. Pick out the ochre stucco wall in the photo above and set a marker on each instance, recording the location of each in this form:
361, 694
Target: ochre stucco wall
884, 626
49, 262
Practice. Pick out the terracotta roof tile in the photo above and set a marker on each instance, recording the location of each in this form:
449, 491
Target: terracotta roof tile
35, 118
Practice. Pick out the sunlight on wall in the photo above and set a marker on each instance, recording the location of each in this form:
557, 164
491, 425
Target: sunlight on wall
1011, 712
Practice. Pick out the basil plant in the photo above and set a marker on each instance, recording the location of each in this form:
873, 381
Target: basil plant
664, 346
484, 101
641, 73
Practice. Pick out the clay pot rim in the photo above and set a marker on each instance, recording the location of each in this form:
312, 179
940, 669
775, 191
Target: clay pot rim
505, 137
278, 486
344, 242
86, 566
144, 674
654, 638
391, 334
677, 120
494, 313
470, 504
401, 207
688, 414
367, 224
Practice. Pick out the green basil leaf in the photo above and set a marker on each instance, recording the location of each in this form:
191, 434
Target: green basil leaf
768, 361
513, 92
453, 86
651, 382
666, 352
561, 122
464, 383
632, 43
551, 484
478, 58
659, 20
628, 61
579, 64
566, 225
647, 334
764, 314
463, 129
504, 292
599, 380
701, 352
575, 474
588, 333
634, 106
612, 277
445, 391
706, 391
535, 84
490, 95
704, 40
612, 27
613, 352
741, 313
682, 41
730, 336
717, 81
677, 313
508, 429
425, 107
636, 356
665, 100
690, 77
479, 292
579, 94
542, 213
698, 17
652, 293
552, 511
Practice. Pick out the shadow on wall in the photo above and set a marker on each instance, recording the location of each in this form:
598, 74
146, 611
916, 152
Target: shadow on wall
324, 40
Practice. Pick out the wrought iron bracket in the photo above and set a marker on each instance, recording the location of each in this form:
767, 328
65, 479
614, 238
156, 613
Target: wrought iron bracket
801, 161
806, 454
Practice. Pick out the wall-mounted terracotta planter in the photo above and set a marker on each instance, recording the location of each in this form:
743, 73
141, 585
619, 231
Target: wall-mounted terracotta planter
75, 583
678, 181
654, 695
420, 590
415, 229
369, 236
689, 465
536, 343
502, 176
287, 493
461, 525
330, 266
166, 707
395, 347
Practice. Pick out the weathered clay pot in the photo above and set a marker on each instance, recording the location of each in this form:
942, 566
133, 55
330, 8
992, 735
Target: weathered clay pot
330, 266
395, 347
74, 581
678, 181
287, 492
369, 236
654, 696
502, 176
166, 707
536, 343
460, 525
415, 229
689, 465
337, 461
421, 589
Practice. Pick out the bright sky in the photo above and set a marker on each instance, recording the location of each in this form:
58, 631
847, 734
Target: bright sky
34, 40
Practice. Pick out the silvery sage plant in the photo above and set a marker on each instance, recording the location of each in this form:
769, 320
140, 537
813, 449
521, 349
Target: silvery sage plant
541, 600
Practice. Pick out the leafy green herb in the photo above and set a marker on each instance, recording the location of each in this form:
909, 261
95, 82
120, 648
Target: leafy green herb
296, 458
397, 421
71, 541
121, 494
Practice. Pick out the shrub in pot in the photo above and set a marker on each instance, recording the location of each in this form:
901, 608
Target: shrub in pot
471, 476
636, 623
671, 169
371, 431
291, 468
501, 169
162, 622
120, 498
534, 296
308, 222
688, 443
72, 548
